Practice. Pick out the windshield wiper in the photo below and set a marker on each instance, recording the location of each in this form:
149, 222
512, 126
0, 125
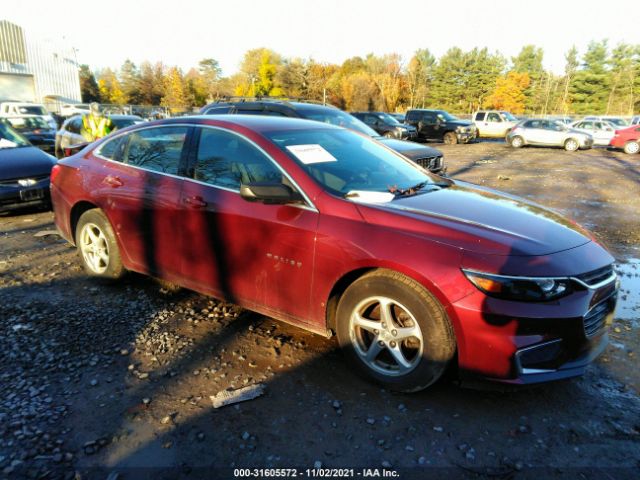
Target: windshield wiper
415, 189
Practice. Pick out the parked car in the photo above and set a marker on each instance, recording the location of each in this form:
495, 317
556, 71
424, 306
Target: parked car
36, 130
398, 116
549, 134
558, 118
601, 131
20, 109
635, 120
493, 123
70, 133
427, 157
70, 109
628, 139
441, 126
387, 125
617, 121
24, 172
327, 229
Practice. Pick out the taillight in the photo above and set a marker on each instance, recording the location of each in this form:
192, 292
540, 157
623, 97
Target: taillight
54, 172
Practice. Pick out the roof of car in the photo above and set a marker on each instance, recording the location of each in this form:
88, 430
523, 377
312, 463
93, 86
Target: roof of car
259, 123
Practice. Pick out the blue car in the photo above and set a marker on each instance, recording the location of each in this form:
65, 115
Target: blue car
24, 172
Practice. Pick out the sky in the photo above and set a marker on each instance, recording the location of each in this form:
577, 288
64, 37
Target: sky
186, 31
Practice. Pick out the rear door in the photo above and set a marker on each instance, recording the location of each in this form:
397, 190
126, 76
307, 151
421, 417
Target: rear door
250, 253
140, 189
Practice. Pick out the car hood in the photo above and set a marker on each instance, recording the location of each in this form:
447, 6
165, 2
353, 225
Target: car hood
412, 150
460, 123
480, 220
24, 162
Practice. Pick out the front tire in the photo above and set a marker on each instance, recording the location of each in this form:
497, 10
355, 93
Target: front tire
394, 331
571, 145
450, 138
97, 246
632, 147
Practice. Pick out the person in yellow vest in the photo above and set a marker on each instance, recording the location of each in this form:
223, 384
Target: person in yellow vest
95, 124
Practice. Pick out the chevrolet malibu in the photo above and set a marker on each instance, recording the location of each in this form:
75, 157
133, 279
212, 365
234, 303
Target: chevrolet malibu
327, 229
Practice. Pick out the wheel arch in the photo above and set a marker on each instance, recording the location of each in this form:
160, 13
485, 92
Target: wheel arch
76, 212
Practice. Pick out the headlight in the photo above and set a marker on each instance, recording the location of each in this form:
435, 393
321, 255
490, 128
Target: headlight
464, 129
523, 289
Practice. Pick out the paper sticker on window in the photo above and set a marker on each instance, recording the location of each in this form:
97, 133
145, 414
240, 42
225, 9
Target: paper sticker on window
309, 154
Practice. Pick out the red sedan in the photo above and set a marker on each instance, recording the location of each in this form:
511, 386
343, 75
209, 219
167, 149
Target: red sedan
627, 139
330, 230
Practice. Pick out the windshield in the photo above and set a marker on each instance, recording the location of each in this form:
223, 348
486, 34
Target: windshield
617, 121
31, 110
9, 138
446, 116
28, 123
339, 118
343, 161
508, 116
388, 119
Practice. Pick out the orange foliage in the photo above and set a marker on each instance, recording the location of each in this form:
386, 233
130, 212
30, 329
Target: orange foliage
509, 93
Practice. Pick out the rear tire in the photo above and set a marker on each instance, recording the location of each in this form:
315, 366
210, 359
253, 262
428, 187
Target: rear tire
97, 246
571, 145
450, 138
517, 142
632, 147
394, 331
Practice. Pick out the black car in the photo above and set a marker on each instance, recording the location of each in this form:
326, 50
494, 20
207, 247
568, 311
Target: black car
441, 126
387, 125
425, 156
24, 172
36, 130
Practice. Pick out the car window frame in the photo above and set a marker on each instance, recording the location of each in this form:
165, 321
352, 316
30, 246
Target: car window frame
184, 154
192, 160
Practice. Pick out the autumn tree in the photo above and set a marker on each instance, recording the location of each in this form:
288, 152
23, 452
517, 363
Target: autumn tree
509, 93
130, 81
110, 88
176, 95
419, 76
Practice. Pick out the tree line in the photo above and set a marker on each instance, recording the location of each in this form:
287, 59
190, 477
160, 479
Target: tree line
603, 80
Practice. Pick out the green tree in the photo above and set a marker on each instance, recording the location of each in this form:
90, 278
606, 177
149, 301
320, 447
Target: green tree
622, 65
529, 61
590, 86
88, 86
130, 81
257, 73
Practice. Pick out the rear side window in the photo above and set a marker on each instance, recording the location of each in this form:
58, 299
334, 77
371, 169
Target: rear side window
493, 117
74, 125
157, 149
227, 160
480, 116
113, 149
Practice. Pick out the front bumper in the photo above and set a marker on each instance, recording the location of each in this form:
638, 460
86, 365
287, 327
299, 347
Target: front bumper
526, 343
466, 137
14, 196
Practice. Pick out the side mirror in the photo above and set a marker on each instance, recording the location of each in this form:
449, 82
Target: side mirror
270, 193
73, 149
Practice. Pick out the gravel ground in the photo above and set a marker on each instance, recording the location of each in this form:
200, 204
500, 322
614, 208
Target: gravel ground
114, 381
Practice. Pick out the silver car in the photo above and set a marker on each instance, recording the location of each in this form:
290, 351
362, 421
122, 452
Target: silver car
548, 133
601, 130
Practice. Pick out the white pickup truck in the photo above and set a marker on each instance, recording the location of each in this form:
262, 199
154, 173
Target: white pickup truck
22, 109
493, 123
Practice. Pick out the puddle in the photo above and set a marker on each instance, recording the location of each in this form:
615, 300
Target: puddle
629, 297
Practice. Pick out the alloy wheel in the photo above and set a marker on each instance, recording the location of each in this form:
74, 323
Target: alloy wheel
94, 248
386, 336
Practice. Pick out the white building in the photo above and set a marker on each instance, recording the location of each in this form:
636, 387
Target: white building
34, 70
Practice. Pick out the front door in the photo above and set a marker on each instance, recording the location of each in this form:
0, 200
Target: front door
248, 253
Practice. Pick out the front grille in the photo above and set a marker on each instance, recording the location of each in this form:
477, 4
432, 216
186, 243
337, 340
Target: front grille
430, 163
596, 319
596, 276
14, 181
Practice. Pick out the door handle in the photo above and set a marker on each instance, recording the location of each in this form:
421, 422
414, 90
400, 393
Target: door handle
115, 182
196, 202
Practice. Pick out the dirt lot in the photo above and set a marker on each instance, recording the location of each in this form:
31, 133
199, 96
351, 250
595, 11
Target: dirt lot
114, 381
